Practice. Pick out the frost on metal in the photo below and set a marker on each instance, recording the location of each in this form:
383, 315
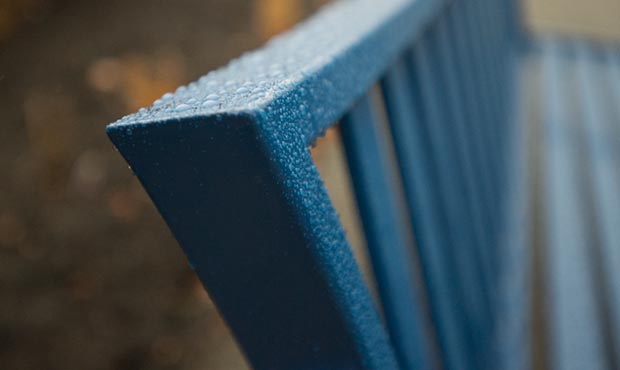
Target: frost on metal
327, 59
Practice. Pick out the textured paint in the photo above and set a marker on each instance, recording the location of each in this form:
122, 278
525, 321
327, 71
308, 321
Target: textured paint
226, 161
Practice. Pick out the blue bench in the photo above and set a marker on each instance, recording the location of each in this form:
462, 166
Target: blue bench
226, 161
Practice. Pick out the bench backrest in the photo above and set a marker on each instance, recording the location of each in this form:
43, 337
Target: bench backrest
226, 161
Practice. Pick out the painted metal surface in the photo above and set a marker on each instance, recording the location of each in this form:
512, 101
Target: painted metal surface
419, 178
226, 161
576, 327
460, 237
388, 234
597, 73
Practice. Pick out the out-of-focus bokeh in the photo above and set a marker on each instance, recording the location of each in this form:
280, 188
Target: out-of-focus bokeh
90, 277
597, 19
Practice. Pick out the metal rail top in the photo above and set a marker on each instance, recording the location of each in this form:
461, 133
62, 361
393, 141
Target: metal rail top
310, 75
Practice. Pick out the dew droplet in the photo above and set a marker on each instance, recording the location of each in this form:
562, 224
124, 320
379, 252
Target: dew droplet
182, 107
209, 104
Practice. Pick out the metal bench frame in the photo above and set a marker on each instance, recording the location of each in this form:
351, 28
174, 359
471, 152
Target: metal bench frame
226, 161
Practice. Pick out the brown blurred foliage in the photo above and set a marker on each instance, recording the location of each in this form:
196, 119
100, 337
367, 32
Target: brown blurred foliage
90, 277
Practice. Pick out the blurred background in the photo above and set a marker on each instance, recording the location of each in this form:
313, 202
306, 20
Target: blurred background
90, 277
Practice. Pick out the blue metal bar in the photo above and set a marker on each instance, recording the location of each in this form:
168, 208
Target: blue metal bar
225, 161
450, 181
471, 105
256, 224
486, 40
455, 115
575, 329
495, 54
498, 27
602, 147
468, 70
612, 251
492, 28
482, 90
513, 15
513, 331
388, 235
468, 38
418, 171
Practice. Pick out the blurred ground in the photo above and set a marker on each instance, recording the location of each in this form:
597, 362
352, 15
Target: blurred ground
90, 277
599, 19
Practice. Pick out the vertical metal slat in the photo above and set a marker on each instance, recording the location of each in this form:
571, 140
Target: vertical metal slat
602, 145
450, 180
576, 340
420, 184
387, 234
